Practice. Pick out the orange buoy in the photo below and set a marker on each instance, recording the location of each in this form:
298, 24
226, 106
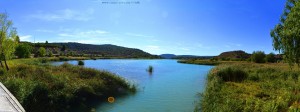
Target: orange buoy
111, 99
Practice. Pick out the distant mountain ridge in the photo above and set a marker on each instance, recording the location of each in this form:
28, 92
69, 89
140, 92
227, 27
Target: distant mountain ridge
167, 56
173, 56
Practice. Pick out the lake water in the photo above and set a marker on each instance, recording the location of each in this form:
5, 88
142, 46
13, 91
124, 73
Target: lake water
172, 87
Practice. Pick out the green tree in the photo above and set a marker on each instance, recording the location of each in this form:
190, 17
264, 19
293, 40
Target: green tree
50, 54
271, 58
286, 34
46, 42
18, 39
23, 50
8, 39
258, 57
42, 52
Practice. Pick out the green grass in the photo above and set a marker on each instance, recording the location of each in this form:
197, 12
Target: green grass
43, 87
247, 87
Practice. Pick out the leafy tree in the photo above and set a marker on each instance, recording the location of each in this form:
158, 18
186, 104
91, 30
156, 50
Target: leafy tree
50, 54
8, 39
258, 57
18, 39
271, 58
23, 51
71, 53
286, 34
42, 52
46, 42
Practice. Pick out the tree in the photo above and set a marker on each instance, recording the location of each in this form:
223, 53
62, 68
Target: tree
18, 39
258, 57
63, 48
271, 58
8, 39
50, 54
46, 42
286, 34
23, 51
42, 52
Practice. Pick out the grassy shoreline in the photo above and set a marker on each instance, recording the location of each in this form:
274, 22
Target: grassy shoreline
245, 86
43, 87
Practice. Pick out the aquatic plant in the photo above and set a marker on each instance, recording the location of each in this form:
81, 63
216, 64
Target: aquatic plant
80, 62
150, 69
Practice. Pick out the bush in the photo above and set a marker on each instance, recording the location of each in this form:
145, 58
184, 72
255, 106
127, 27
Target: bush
23, 51
80, 62
44, 60
42, 52
150, 69
50, 54
232, 75
258, 57
271, 58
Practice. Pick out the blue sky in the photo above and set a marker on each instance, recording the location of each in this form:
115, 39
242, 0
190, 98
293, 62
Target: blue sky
191, 27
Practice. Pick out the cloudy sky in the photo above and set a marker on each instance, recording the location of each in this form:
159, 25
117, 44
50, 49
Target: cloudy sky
191, 27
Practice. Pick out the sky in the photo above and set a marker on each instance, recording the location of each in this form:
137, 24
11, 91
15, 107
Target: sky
182, 27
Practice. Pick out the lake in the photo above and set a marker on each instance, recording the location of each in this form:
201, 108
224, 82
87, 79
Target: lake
172, 87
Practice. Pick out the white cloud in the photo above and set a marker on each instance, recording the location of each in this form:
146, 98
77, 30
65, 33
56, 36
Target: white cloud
62, 15
88, 36
25, 37
84, 34
138, 35
43, 30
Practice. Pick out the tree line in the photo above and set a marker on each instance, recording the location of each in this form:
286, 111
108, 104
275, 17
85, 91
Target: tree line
8, 39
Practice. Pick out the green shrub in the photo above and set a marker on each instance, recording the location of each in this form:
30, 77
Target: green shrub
150, 69
232, 74
258, 57
271, 58
23, 50
50, 54
42, 52
80, 62
44, 60
63, 59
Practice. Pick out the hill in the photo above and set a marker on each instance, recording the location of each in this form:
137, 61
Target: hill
239, 54
167, 56
106, 50
173, 56
192, 57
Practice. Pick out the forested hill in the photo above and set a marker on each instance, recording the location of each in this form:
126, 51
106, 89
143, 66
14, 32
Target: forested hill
106, 50
239, 54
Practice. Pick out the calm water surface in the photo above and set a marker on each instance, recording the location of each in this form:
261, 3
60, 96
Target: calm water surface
172, 87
